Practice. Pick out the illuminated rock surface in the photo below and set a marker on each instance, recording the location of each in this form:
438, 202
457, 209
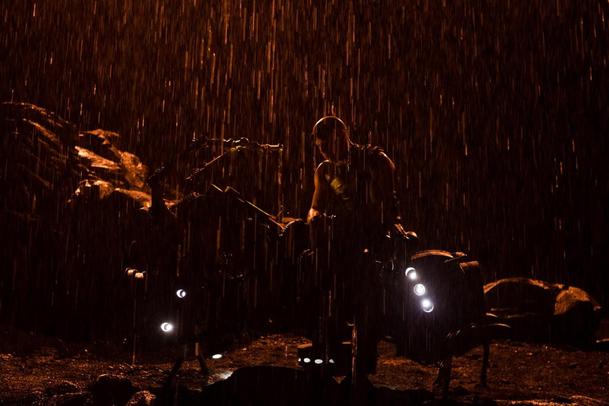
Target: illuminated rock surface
544, 311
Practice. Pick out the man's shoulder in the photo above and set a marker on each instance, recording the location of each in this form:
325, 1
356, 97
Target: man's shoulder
324, 165
323, 169
373, 149
368, 151
377, 156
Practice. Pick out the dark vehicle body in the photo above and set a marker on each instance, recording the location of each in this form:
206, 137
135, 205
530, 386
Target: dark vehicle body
250, 270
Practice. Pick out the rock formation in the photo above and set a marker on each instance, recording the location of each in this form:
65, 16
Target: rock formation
539, 310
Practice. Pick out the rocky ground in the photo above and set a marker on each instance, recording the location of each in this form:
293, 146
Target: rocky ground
265, 371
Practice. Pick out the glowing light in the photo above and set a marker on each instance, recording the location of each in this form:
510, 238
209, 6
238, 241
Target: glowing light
299, 359
181, 293
331, 361
167, 327
419, 289
319, 361
307, 360
427, 305
216, 356
225, 375
411, 273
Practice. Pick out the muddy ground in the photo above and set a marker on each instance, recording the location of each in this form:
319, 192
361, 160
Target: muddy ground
264, 370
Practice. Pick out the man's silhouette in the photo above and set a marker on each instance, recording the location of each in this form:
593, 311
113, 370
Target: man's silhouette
354, 217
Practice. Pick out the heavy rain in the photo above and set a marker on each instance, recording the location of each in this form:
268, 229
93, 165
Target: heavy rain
158, 165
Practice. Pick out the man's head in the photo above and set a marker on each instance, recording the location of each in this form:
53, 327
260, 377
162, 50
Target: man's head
332, 138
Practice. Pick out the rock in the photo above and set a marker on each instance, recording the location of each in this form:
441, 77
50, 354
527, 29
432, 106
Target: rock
520, 296
81, 204
576, 316
543, 311
112, 389
142, 398
46, 160
61, 388
41, 168
71, 399
99, 153
582, 400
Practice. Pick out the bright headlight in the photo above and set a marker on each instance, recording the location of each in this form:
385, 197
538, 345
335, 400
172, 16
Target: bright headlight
427, 305
411, 273
167, 327
419, 289
181, 293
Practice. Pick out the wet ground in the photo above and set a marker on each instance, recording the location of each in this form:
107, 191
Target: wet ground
265, 371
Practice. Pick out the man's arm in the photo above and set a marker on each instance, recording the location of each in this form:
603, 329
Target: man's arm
319, 195
387, 182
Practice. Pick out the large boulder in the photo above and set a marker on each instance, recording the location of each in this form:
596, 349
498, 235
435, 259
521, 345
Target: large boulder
142, 398
44, 158
76, 207
543, 311
112, 389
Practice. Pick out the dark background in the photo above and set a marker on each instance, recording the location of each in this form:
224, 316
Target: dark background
496, 113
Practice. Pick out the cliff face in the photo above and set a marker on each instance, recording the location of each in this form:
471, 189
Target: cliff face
73, 210
46, 162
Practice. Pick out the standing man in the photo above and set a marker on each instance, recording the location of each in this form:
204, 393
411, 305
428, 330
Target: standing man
354, 215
